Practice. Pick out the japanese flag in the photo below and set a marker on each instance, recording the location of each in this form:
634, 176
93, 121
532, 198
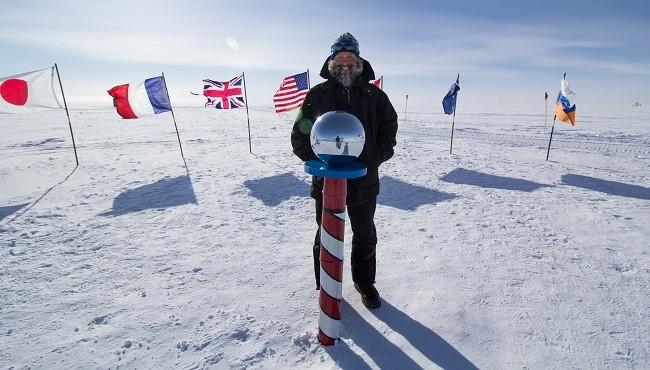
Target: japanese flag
29, 90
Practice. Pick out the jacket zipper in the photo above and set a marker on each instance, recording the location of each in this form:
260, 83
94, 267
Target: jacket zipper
347, 92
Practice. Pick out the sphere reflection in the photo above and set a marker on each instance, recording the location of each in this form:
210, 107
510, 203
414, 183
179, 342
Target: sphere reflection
337, 138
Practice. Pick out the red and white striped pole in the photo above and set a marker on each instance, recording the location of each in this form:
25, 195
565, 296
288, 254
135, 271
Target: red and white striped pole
331, 259
337, 138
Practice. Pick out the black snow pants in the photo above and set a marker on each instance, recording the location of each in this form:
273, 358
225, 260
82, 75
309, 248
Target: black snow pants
364, 241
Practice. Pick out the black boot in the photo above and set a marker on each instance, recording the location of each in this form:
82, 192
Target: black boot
369, 295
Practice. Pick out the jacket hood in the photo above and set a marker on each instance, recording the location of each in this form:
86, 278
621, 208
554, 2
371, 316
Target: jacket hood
365, 77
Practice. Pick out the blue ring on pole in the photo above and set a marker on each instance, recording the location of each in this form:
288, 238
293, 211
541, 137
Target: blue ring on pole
350, 170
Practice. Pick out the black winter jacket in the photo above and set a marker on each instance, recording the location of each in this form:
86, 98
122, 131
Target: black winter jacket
371, 106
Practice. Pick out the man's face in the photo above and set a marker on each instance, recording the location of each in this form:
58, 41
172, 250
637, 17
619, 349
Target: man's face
345, 59
345, 67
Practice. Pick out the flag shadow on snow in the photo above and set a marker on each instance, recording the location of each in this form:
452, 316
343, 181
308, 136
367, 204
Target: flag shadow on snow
385, 353
9, 210
165, 193
607, 186
276, 189
54, 140
408, 197
26, 207
469, 177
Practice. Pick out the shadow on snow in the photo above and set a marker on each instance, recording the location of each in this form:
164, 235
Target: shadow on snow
395, 193
408, 197
23, 208
384, 353
276, 189
484, 180
54, 140
606, 186
8, 210
164, 193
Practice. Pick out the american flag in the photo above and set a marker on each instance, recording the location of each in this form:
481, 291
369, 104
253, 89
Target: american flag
378, 82
224, 95
291, 93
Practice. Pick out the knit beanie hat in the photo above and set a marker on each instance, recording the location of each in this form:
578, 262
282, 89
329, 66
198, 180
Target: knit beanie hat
345, 42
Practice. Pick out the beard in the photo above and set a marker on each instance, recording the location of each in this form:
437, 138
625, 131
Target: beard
345, 76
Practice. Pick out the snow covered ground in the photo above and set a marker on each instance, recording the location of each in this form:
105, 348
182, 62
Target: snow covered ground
488, 258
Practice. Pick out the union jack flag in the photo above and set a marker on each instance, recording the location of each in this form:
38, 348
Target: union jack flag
224, 95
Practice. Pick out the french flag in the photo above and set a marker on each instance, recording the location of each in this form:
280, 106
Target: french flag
138, 99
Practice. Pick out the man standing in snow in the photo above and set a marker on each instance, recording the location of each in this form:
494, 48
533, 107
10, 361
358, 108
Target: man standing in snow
348, 89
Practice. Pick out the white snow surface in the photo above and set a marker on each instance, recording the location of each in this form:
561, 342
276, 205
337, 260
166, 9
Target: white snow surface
490, 257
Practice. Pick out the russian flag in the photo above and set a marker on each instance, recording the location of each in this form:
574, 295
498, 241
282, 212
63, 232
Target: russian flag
565, 105
138, 99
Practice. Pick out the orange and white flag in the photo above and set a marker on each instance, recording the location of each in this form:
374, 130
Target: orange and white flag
565, 105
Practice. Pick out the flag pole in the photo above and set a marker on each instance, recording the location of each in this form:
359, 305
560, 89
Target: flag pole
174, 119
550, 138
548, 150
308, 82
453, 119
250, 147
451, 143
406, 105
382, 82
65, 104
545, 109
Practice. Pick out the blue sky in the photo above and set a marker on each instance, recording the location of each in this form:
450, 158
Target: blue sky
505, 51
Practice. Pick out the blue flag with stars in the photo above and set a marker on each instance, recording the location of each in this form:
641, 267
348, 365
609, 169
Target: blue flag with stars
449, 101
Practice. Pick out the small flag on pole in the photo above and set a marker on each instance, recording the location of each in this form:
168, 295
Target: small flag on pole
224, 95
291, 93
565, 106
142, 98
545, 109
378, 82
449, 101
28, 90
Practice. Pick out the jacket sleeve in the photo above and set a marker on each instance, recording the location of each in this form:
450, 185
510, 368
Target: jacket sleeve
302, 129
387, 129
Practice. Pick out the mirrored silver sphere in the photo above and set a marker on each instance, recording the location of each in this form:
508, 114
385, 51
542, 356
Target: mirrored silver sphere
337, 137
